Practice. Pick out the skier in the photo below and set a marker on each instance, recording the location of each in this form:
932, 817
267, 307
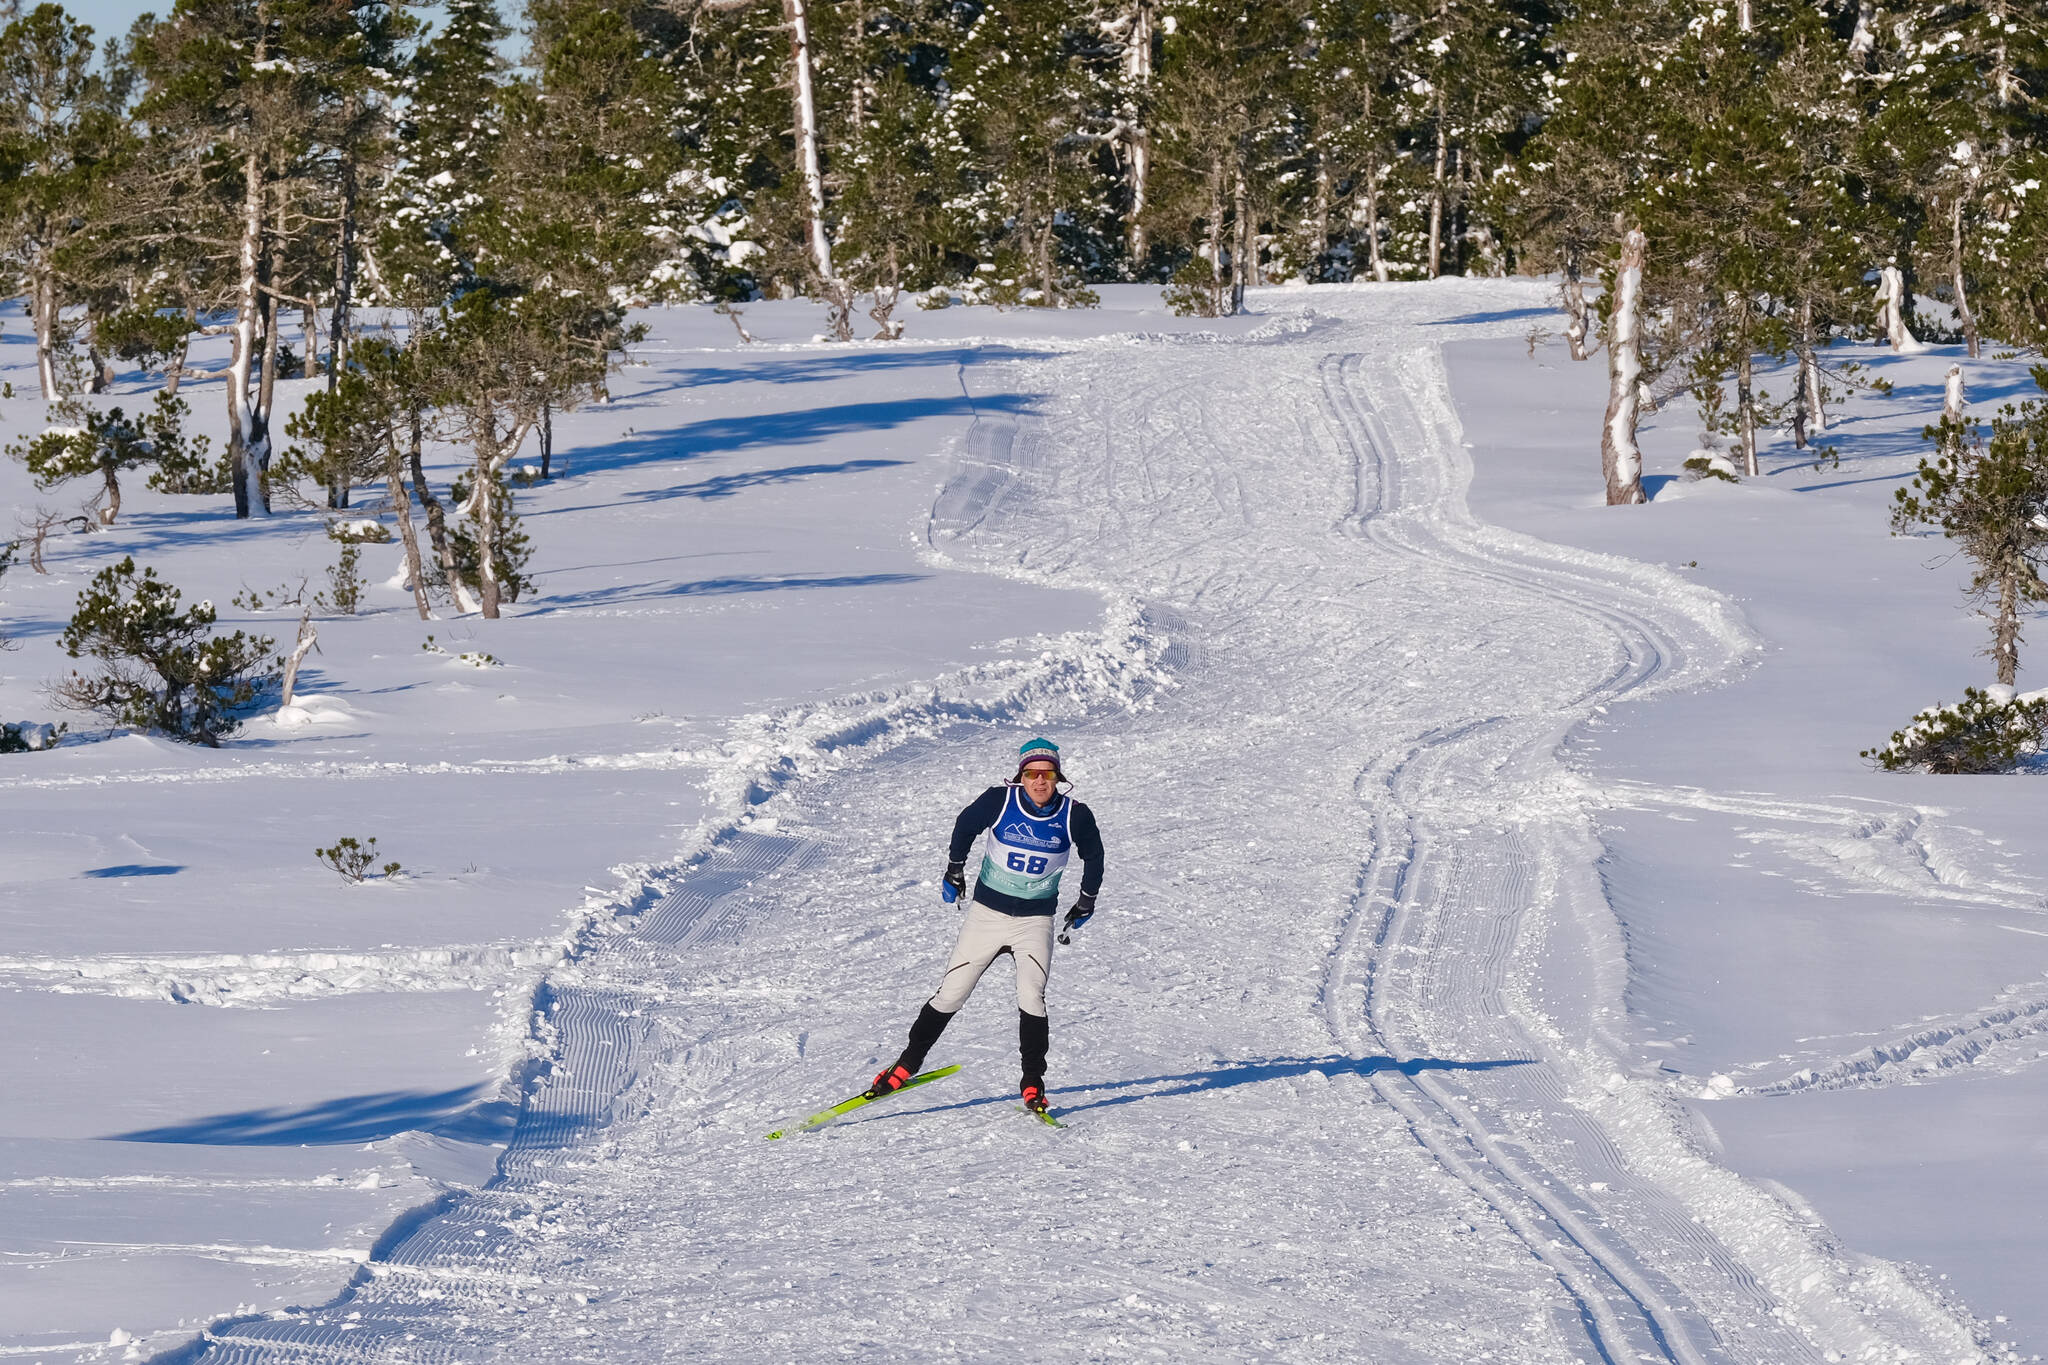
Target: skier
1033, 828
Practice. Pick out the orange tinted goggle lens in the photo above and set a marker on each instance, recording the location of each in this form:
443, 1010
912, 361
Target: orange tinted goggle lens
1041, 772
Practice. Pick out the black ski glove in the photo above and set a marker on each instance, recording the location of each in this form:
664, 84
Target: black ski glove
1083, 911
955, 881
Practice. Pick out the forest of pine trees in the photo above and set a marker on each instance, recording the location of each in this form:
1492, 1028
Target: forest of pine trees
1716, 184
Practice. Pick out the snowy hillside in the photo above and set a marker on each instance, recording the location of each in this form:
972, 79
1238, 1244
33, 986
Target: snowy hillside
1504, 954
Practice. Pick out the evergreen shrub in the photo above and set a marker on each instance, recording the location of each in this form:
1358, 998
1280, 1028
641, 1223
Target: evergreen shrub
159, 667
1991, 730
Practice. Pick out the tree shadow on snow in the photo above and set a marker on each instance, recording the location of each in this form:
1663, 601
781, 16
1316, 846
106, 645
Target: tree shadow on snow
726, 485
838, 365
1227, 1075
717, 587
801, 427
1501, 315
462, 1114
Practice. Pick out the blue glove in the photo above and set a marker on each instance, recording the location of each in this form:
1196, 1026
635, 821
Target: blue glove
1083, 911
954, 884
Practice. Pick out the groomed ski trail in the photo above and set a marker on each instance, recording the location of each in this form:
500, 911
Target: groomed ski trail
1340, 1056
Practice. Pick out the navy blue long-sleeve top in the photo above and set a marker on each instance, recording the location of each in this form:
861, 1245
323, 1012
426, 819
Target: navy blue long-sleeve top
986, 809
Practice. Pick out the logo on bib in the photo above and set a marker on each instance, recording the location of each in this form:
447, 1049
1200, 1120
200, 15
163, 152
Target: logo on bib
1025, 835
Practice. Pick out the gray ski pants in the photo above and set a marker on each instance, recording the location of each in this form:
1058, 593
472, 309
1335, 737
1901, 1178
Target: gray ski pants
987, 935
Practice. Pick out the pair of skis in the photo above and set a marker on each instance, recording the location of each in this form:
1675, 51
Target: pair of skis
845, 1107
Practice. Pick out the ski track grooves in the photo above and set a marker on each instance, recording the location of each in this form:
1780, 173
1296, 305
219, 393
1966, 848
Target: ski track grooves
1474, 927
599, 1038
1626, 1308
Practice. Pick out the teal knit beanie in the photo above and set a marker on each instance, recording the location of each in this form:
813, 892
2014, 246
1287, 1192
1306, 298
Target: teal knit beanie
1040, 750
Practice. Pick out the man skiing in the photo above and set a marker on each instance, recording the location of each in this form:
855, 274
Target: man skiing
1033, 827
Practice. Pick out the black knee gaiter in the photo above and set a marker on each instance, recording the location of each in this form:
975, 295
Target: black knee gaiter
1034, 1040
930, 1024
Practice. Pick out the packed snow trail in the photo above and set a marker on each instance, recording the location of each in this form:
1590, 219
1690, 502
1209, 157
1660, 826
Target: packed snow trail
1339, 1056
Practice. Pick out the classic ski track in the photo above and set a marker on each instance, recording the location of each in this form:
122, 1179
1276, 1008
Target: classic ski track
1628, 1307
1740, 1316
1437, 955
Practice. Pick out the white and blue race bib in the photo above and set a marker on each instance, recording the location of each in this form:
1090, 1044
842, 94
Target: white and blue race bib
1026, 853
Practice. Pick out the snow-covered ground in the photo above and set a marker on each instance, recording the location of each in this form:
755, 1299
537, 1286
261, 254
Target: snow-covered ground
1504, 954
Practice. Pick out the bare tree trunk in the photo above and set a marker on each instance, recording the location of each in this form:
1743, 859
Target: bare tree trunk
483, 510
2005, 634
1372, 221
796, 17
494, 449
1744, 20
309, 328
308, 638
1048, 284
1809, 414
344, 266
1745, 407
44, 305
401, 502
248, 435
176, 374
1969, 321
1216, 277
1952, 399
1319, 235
794, 14
1240, 242
2005, 85
547, 440
858, 115
112, 508
1436, 190
1137, 141
1863, 41
437, 517
1620, 458
1891, 311
266, 387
1577, 317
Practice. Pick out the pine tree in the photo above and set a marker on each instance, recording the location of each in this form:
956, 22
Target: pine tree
1991, 498
1341, 88
60, 130
1033, 103
1221, 125
448, 137
246, 84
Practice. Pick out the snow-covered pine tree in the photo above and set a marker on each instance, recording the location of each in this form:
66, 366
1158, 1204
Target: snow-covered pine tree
61, 129
1952, 124
1340, 87
1222, 125
1990, 496
1754, 191
1597, 153
448, 132
1033, 103
896, 171
246, 84
1467, 93
363, 74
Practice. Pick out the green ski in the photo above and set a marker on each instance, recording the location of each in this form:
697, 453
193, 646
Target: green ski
825, 1116
1043, 1116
